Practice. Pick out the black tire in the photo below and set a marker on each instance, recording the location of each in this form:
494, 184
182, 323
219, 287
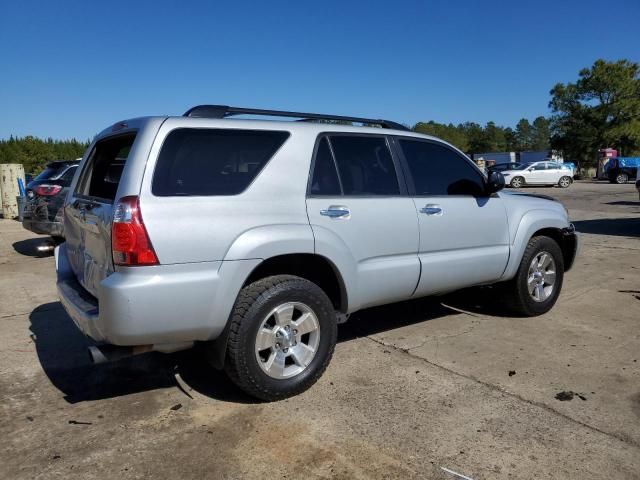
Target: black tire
515, 293
565, 182
621, 178
517, 182
254, 303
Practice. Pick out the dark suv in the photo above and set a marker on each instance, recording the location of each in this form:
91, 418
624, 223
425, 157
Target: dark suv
45, 198
623, 169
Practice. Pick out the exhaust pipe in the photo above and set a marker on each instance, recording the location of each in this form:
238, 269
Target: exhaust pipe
111, 353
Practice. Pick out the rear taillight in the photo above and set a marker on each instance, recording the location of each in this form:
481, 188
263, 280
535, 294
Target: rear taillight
47, 190
130, 242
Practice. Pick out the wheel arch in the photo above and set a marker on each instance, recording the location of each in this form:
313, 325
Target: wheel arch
535, 223
313, 267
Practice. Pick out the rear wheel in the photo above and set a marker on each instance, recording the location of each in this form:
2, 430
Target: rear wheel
622, 178
564, 182
517, 182
537, 284
282, 336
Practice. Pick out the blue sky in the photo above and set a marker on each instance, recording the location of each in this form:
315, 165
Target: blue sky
69, 69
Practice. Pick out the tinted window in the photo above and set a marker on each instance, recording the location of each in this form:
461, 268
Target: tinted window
50, 171
325, 178
540, 166
67, 177
212, 161
365, 165
438, 170
101, 174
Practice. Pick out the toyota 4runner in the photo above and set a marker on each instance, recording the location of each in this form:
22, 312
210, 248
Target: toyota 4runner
255, 238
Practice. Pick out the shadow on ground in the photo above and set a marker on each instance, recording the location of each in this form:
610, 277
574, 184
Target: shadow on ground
625, 203
30, 246
625, 227
62, 352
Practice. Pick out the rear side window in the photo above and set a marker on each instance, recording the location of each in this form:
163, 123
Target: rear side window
439, 170
325, 177
365, 165
213, 161
101, 174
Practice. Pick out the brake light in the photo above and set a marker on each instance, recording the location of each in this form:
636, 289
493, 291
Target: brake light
47, 190
130, 244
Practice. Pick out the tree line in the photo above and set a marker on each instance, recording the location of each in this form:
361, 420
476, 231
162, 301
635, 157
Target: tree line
601, 109
34, 152
474, 138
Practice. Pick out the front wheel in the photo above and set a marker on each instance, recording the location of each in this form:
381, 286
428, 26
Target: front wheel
517, 182
564, 182
282, 335
537, 284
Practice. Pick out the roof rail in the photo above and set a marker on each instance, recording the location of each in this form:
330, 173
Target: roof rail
223, 111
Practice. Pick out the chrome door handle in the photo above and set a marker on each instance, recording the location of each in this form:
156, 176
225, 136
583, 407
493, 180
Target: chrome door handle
336, 211
431, 209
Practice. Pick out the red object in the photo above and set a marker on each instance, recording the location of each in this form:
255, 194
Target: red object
130, 243
47, 190
608, 153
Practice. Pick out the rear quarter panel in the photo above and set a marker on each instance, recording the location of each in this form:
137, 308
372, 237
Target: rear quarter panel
257, 223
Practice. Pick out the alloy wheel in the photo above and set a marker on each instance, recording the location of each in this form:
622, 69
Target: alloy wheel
287, 340
542, 276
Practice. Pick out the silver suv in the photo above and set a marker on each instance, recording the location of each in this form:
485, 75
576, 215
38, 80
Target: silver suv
255, 238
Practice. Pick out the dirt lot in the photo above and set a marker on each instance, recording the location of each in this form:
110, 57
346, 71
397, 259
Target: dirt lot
413, 387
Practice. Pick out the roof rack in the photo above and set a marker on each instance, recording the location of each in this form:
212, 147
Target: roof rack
223, 111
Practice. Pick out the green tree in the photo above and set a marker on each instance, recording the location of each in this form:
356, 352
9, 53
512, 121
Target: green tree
34, 153
540, 134
524, 135
601, 109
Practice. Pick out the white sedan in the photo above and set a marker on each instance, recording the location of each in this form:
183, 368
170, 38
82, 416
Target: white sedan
538, 173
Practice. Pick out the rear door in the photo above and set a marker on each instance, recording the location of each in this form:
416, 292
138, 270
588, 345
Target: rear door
554, 171
537, 173
88, 210
464, 236
360, 212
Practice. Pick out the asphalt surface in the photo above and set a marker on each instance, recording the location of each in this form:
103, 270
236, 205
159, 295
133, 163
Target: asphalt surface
413, 387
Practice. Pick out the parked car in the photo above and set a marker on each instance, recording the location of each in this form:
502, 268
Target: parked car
45, 197
622, 169
254, 239
539, 173
638, 188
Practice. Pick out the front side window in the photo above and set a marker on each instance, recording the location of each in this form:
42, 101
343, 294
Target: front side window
365, 165
198, 161
439, 170
540, 166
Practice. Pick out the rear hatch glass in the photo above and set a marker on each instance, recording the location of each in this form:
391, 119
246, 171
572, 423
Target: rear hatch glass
89, 212
50, 171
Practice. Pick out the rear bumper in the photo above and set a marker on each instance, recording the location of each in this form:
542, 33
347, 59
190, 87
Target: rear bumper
159, 305
44, 227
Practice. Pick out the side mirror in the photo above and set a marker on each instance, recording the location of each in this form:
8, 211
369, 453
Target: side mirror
495, 182
530, 169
